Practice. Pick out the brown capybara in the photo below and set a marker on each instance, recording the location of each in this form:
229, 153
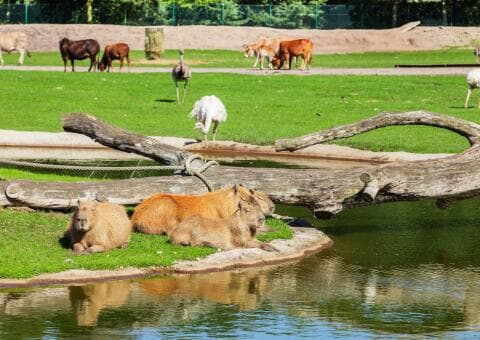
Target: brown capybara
160, 213
225, 233
97, 227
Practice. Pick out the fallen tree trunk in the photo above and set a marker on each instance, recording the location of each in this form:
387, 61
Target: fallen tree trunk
325, 191
122, 140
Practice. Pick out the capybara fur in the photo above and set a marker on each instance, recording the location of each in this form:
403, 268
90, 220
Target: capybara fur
225, 233
96, 227
160, 213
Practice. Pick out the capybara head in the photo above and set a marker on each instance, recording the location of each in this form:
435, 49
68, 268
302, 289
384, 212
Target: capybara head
251, 214
248, 51
83, 216
266, 205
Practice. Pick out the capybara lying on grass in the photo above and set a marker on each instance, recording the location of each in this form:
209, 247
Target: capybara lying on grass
225, 233
160, 213
97, 227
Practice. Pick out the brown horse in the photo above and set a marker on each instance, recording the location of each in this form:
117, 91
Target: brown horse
79, 49
115, 51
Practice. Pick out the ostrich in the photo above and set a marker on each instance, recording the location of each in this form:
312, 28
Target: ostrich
473, 82
207, 110
181, 72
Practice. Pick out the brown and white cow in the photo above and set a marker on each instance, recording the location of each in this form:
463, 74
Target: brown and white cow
294, 48
13, 41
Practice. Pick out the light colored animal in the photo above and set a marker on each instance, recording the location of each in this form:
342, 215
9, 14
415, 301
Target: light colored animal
13, 41
473, 82
225, 233
98, 226
160, 213
208, 110
294, 48
181, 72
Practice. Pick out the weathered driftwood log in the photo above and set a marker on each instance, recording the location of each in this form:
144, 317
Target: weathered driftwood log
325, 191
463, 127
120, 139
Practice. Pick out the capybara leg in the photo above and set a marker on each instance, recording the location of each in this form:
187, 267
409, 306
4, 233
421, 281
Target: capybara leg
78, 248
97, 248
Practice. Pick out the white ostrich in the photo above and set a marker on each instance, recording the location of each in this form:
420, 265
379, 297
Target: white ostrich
181, 72
207, 110
473, 82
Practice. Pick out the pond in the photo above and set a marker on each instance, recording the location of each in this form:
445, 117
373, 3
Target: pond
399, 269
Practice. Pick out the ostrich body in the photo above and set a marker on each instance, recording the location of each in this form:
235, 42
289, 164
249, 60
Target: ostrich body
208, 110
181, 72
473, 82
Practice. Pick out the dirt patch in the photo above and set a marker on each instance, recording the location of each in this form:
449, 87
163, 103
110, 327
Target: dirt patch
45, 37
305, 241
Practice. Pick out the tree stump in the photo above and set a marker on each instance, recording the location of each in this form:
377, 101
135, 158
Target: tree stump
153, 43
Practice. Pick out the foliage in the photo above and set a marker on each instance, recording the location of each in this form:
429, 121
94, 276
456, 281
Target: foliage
278, 230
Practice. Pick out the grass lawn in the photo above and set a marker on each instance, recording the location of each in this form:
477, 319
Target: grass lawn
29, 246
261, 109
226, 58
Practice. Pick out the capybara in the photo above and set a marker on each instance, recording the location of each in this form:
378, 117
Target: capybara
225, 233
160, 213
97, 227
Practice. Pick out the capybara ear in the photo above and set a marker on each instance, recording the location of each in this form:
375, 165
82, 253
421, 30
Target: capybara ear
252, 192
236, 188
244, 45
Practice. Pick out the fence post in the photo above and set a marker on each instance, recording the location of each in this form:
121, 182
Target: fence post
125, 15
26, 11
270, 15
173, 14
316, 15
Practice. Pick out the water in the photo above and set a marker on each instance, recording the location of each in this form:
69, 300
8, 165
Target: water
396, 270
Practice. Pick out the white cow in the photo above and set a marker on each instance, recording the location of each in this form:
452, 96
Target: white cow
13, 41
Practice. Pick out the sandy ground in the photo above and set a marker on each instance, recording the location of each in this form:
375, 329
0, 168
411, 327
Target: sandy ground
45, 37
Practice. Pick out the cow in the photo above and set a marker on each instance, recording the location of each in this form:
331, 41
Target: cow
118, 51
13, 41
294, 48
263, 48
79, 49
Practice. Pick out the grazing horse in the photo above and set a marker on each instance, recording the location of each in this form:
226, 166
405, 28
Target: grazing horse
115, 51
294, 48
79, 49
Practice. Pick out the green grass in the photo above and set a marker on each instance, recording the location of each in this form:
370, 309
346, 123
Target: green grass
226, 58
261, 109
278, 230
29, 246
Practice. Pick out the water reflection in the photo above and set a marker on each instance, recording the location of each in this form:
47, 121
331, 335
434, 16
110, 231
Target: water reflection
392, 271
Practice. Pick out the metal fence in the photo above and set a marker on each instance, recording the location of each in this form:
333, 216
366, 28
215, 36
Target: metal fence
360, 14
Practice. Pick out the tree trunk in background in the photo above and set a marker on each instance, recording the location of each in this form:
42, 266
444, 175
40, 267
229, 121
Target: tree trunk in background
153, 43
89, 11
444, 13
394, 13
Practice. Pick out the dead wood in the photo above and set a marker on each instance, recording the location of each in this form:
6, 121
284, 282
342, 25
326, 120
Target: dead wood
325, 191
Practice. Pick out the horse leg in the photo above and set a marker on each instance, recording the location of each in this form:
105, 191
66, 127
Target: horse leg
121, 62
73, 64
1, 58
92, 63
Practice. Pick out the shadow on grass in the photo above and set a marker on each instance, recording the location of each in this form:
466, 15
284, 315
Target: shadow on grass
165, 100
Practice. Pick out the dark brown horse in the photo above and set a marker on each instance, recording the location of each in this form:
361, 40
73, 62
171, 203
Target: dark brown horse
112, 52
79, 49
